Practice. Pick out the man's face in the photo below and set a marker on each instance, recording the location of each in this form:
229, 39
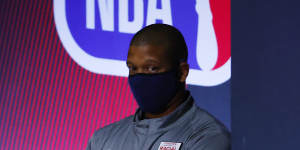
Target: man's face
148, 59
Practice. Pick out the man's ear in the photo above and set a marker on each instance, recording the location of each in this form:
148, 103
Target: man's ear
183, 71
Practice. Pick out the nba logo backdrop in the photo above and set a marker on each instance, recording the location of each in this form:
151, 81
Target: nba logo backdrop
63, 70
96, 34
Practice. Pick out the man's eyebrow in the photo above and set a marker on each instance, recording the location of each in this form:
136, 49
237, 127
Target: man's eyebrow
148, 61
152, 61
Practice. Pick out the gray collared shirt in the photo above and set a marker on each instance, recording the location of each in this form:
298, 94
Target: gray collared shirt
189, 125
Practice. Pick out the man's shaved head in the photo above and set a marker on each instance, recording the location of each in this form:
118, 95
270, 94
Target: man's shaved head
163, 35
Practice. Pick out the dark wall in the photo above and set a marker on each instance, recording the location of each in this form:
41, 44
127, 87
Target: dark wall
265, 75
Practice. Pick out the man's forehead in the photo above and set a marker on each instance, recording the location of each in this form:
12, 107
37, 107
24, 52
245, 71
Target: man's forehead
151, 53
147, 49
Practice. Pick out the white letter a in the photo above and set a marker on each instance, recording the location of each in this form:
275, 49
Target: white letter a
125, 25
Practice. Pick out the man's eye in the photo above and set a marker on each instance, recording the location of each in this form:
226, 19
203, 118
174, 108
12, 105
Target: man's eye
131, 68
152, 69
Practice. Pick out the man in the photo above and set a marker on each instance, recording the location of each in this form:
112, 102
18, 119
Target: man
167, 118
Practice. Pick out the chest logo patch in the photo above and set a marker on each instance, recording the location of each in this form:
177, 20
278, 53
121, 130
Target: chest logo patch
169, 146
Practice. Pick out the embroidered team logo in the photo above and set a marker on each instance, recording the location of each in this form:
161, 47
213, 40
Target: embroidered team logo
169, 146
96, 33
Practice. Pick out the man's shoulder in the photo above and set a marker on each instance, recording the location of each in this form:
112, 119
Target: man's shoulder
111, 129
102, 135
204, 121
207, 130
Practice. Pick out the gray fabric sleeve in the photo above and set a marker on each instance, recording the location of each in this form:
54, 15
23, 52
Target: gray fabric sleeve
215, 142
89, 145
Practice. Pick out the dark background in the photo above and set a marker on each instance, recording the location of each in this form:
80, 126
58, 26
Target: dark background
265, 75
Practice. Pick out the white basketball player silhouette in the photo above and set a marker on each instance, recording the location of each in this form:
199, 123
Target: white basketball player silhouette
207, 48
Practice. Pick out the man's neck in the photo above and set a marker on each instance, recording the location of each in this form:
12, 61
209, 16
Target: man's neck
178, 99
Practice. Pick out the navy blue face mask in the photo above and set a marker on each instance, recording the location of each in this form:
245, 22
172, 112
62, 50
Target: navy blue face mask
153, 92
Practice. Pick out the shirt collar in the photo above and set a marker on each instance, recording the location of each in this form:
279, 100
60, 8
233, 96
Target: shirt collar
162, 124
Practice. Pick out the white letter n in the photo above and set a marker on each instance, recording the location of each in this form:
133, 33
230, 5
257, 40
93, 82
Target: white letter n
106, 10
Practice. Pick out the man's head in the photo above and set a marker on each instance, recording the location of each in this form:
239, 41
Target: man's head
158, 48
157, 62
